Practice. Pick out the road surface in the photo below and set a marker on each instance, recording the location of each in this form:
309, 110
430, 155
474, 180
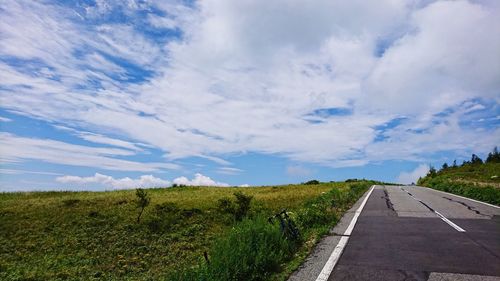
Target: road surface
409, 233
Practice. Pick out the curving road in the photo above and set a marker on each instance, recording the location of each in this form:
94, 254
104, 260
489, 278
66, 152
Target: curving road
409, 233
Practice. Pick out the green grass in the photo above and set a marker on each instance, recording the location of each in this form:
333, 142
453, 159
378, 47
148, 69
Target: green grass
94, 235
476, 181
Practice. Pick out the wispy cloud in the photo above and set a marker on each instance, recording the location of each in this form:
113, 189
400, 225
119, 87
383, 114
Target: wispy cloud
98, 138
17, 171
298, 171
21, 148
229, 170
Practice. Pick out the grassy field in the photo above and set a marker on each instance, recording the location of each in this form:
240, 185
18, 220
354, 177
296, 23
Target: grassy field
479, 181
95, 235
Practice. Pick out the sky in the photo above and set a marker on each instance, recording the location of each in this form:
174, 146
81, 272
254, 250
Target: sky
105, 94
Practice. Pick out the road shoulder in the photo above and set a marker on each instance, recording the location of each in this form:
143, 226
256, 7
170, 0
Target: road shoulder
315, 262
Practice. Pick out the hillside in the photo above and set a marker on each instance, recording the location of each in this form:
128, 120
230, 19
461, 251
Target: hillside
475, 179
86, 235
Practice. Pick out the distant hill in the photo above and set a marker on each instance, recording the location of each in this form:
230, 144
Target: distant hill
476, 178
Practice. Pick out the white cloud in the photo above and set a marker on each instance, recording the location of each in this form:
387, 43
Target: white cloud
198, 180
162, 22
475, 107
229, 171
235, 84
445, 60
298, 171
17, 171
142, 181
15, 148
122, 183
97, 138
5, 119
412, 177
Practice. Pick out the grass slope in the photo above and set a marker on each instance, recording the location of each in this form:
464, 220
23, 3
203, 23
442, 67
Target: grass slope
94, 235
479, 181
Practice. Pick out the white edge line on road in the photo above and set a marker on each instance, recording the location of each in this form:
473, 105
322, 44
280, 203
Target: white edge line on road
443, 218
458, 228
447, 193
334, 257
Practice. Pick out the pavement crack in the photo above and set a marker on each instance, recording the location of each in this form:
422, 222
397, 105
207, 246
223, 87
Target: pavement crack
421, 202
467, 206
428, 207
388, 200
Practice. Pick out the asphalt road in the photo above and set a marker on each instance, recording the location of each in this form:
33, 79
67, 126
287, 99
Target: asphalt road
413, 233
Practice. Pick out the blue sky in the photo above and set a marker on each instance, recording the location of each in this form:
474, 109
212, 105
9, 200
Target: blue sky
111, 94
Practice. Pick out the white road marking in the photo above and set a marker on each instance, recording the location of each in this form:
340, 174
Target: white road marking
458, 228
447, 193
452, 224
334, 257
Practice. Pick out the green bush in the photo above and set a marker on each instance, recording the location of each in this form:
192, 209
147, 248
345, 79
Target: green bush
142, 201
312, 182
164, 217
487, 194
253, 250
239, 209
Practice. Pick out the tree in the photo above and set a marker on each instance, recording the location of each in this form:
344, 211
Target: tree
445, 166
239, 209
476, 160
454, 165
494, 156
432, 172
142, 201
311, 182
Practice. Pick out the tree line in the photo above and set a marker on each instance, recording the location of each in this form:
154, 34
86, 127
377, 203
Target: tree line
493, 157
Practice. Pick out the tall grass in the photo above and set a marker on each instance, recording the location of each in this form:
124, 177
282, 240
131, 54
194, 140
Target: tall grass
252, 250
487, 194
256, 249
86, 235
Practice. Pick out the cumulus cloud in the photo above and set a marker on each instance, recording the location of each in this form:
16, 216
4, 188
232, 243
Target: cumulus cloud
109, 181
143, 181
412, 176
198, 180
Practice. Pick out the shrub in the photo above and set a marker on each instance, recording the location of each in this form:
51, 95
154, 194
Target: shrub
164, 217
311, 182
487, 194
239, 209
252, 250
242, 205
225, 205
142, 201
93, 214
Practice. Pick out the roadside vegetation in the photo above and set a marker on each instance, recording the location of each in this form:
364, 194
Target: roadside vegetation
476, 179
181, 233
